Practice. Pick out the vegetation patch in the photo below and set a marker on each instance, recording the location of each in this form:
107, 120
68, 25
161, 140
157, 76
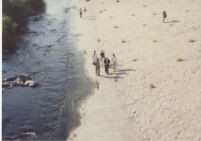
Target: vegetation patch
152, 86
179, 59
170, 24
144, 25
134, 60
15, 17
191, 40
123, 41
154, 41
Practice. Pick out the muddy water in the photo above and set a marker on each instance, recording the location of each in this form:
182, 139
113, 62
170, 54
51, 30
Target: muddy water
48, 53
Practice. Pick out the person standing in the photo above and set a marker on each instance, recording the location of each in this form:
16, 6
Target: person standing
94, 57
102, 54
85, 11
80, 12
97, 66
107, 65
114, 62
164, 15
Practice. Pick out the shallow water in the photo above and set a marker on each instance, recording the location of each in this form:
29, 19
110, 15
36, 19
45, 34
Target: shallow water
48, 53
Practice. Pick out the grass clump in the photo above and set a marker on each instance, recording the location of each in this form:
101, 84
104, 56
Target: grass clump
84, 51
123, 41
110, 17
144, 25
191, 40
134, 60
144, 6
179, 59
115, 26
170, 24
154, 41
133, 14
152, 86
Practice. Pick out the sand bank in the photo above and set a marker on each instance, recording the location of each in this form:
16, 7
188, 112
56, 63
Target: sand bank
156, 92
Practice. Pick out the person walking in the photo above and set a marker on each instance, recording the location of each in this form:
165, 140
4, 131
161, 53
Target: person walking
107, 65
80, 12
164, 15
102, 54
94, 57
114, 62
97, 66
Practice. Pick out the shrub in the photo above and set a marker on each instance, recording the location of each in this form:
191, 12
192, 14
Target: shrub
179, 59
154, 40
9, 33
123, 41
15, 18
152, 86
134, 60
115, 26
191, 40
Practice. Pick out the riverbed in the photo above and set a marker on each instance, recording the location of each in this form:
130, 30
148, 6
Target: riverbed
48, 53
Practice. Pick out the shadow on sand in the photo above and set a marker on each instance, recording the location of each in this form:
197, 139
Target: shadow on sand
118, 74
172, 21
90, 17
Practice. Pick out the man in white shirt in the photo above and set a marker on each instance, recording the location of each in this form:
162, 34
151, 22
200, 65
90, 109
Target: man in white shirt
94, 57
114, 62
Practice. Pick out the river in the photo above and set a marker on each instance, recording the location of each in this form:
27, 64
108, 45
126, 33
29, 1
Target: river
48, 53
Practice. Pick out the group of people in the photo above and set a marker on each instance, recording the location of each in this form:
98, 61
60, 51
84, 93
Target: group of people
81, 11
104, 61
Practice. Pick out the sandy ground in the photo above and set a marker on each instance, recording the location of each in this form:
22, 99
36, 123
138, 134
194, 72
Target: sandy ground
152, 96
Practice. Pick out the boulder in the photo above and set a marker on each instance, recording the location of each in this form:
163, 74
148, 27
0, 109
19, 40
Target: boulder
24, 77
31, 83
12, 78
18, 82
5, 85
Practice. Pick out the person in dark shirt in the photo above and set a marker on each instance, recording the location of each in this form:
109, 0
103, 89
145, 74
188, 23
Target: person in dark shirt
164, 15
107, 65
102, 58
80, 12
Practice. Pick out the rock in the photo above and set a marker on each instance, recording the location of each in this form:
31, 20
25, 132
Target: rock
5, 85
12, 78
31, 83
31, 134
18, 82
10, 87
24, 77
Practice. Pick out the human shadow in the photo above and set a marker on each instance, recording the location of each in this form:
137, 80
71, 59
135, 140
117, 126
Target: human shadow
172, 21
118, 74
90, 17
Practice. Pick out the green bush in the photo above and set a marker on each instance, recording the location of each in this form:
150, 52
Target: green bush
9, 32
15, 18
